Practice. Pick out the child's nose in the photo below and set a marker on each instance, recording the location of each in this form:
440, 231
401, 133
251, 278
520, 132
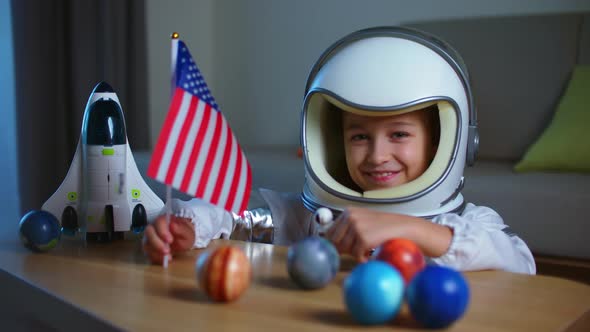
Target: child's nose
379, 152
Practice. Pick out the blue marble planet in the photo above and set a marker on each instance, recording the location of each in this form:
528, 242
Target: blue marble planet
312, 262
438, 296
39, 230
373, 293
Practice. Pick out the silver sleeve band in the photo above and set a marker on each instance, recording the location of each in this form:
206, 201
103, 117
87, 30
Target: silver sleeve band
254, 225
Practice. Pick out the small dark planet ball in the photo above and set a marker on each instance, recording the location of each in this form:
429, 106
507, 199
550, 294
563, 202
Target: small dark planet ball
312, 262
39, 230
437, 296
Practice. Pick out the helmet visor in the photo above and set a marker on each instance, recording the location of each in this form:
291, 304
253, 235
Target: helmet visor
325, 152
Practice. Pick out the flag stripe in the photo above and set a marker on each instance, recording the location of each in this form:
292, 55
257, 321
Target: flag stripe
180, 145
210, 156
217, 160
172, 138
234, 184
164, 133
196, 147
231, 170
241, 185
221, 179
183, 168
203, 153
246, 195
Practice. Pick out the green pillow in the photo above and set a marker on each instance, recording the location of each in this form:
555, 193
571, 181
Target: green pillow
564, 146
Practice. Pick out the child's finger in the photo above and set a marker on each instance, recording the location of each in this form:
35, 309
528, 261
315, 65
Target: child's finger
180, 238
184, 234
181, 228
337, 233
153, 246
163, 230
359, 251
338, 226
179, 246
349, 240
153, 242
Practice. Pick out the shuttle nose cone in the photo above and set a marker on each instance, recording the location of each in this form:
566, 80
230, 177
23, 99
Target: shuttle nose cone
103, 87
103, 122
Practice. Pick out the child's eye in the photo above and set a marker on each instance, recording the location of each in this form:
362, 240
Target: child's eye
399, 134
358, 137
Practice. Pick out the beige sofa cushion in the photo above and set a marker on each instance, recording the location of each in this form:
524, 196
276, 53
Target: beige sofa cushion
548, 210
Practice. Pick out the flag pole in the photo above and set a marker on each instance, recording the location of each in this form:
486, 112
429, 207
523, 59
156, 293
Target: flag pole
174, 48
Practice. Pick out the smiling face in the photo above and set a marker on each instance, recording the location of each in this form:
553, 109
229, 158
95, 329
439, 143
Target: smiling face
387, 151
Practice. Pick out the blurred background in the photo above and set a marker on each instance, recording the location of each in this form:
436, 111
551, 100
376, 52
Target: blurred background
255, 56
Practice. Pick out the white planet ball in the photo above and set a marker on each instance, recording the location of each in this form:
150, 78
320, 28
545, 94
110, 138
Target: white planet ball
323, 216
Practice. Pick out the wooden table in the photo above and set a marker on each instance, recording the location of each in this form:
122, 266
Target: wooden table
112, 286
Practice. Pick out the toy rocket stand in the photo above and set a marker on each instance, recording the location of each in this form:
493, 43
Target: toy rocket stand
103, 197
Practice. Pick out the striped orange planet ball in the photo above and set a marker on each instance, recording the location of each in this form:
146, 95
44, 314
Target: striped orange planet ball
224, 274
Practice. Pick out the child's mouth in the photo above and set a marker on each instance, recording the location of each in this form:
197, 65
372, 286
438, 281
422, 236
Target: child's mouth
381, 177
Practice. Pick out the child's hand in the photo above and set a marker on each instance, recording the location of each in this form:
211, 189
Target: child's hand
357, 230
161, 239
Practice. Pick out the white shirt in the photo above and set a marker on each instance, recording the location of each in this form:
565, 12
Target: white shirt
482, 241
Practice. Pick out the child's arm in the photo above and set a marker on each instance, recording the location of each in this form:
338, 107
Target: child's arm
477, 239
358, 230
482, 241
207, 222
280, 218
213, 222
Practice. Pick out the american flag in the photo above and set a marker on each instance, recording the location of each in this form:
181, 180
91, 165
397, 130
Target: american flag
197, 152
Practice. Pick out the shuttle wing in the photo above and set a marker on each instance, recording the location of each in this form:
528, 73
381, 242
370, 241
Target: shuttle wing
68, 193
140, 192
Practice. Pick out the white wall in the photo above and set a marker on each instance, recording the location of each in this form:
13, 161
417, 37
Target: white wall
256, 54
193, 20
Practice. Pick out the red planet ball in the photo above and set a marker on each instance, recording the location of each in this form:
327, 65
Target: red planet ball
224, 274
404, 255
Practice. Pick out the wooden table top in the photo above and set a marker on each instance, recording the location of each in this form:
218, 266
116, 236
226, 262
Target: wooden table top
115, 284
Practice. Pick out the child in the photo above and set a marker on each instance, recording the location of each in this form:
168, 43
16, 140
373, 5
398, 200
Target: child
388, 125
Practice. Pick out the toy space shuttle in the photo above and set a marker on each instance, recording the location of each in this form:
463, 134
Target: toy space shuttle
103, 195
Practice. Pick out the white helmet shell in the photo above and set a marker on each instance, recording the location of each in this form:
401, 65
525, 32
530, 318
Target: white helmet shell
386, 71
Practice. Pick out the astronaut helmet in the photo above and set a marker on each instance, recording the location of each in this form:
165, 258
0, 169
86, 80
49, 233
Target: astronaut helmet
379, 72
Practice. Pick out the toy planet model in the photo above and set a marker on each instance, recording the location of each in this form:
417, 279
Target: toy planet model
224, 274
39, 230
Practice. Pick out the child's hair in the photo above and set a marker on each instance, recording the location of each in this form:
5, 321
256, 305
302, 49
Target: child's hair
433, 122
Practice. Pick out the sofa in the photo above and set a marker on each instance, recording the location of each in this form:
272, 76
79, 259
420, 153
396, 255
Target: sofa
519, 68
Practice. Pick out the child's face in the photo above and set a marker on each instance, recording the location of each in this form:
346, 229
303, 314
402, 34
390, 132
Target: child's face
386, 151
